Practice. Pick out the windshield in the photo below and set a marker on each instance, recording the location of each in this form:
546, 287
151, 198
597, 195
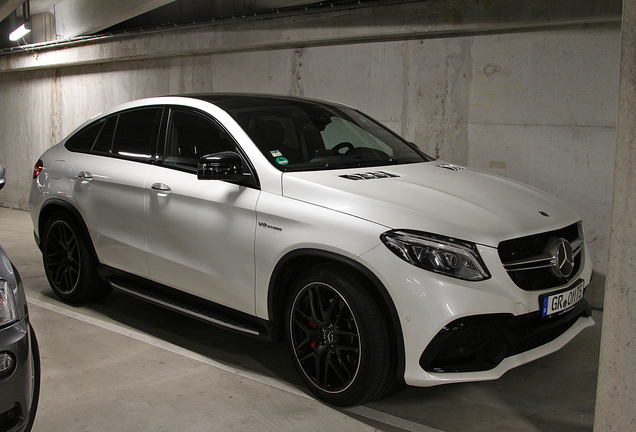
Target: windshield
302, 135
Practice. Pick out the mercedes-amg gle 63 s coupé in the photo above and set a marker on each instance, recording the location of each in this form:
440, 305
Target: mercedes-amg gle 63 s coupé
284, 217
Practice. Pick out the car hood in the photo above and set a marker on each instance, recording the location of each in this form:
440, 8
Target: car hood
434, 197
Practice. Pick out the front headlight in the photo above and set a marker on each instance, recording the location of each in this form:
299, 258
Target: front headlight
8, 308
448, 256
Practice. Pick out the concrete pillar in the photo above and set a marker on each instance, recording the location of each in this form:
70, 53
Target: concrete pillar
616, 394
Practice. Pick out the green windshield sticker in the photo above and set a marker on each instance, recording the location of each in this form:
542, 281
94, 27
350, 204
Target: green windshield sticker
282, 161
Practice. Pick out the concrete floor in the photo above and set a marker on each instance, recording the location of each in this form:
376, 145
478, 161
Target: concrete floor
124, 365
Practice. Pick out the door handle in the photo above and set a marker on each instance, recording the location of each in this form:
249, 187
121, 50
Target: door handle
85, 176
161, 188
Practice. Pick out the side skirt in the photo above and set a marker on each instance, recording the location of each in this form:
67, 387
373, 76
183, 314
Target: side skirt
189, 305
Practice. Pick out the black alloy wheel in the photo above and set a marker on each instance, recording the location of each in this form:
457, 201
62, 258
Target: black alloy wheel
62, 257
69, 264
338, 338
325, 337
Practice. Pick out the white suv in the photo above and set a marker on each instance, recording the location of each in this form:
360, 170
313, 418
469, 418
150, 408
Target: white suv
286, 217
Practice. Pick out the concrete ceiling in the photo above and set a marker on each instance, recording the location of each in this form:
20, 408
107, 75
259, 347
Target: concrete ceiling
82, 17
37, 6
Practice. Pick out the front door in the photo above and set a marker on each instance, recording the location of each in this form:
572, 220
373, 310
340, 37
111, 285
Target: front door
200, 232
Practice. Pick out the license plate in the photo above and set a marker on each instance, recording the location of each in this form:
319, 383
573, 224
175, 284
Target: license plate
559, 302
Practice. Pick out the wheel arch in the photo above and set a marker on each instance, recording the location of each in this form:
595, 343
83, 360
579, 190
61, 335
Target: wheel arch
294, 263
53, 206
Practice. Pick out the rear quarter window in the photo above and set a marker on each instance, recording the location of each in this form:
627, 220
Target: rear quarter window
104, 142
83, 140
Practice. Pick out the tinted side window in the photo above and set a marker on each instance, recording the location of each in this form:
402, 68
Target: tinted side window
83, 140
104, 141
135, 133
192, 135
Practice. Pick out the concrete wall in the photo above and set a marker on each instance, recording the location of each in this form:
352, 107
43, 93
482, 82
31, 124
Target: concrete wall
616, 394
537, 106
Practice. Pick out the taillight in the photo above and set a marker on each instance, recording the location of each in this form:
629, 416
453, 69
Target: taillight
37, 169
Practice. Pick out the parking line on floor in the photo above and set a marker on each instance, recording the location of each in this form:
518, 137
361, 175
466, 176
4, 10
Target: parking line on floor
389, 419
360, 411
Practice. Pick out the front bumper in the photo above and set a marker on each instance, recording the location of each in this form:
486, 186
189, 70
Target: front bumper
461, 331
481, 343
17, 385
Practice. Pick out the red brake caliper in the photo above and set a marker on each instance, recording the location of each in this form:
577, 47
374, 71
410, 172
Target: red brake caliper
314, 344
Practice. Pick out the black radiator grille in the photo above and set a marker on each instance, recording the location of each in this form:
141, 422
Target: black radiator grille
531, 246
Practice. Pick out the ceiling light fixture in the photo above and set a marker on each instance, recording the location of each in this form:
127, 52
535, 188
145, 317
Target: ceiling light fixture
20, 32
26, 27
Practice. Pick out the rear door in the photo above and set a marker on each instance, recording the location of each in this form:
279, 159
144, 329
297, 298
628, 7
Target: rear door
200, 232
108, 185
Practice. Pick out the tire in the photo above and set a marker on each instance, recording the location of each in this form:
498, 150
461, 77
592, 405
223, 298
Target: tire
35, 380
69, 264
338, 337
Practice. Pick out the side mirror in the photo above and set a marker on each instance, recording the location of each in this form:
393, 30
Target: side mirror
226, 166
3, 179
